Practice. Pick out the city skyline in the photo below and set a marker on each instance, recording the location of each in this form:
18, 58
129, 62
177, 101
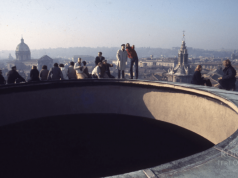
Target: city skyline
105, 23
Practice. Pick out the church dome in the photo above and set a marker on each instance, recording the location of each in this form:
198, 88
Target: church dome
22, 46
23, 52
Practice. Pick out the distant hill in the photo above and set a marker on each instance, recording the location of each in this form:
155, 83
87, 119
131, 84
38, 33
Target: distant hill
111, 52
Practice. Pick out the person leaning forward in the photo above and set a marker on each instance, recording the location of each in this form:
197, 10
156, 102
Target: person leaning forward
96, 73
121, 60
13, 75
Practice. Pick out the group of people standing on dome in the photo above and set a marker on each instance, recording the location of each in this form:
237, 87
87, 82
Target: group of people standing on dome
227, 81
125, 52
122, 55
79, 69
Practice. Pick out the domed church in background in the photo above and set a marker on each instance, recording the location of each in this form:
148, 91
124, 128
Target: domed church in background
23, 52
23, 58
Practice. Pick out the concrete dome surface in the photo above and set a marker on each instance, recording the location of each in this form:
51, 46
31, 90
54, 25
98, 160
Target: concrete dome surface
208, 112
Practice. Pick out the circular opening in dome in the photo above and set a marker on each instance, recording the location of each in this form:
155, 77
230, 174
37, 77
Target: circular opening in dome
92, 145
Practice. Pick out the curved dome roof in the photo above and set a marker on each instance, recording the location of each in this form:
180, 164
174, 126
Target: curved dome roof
22, 46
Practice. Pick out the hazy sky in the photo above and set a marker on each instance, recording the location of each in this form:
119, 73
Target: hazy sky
209, 24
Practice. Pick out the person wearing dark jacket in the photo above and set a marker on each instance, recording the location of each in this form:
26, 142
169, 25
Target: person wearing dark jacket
106, 69
198, 79
228, 80
2, 79
99, 58
13, 75
34, 74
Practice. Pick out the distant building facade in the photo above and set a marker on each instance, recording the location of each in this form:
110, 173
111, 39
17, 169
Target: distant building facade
166, 63
44, 60
234, 55
157, 63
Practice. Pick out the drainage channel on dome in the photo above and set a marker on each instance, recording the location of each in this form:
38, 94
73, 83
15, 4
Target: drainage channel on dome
92, 145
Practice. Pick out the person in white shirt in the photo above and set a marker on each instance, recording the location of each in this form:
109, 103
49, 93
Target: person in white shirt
121, 60
78, 69
96, 73
64, 72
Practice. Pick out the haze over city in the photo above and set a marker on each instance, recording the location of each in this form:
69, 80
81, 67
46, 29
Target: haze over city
118, 88
109, 23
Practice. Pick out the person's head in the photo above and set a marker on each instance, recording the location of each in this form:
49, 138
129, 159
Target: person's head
61, 65
14, 68
84, 63
104, 61
79, 60
100, 64
99, 54
123, 46
34, 67
56, 65
128, 45
44, 67
72, 63
226, 63
198, 68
